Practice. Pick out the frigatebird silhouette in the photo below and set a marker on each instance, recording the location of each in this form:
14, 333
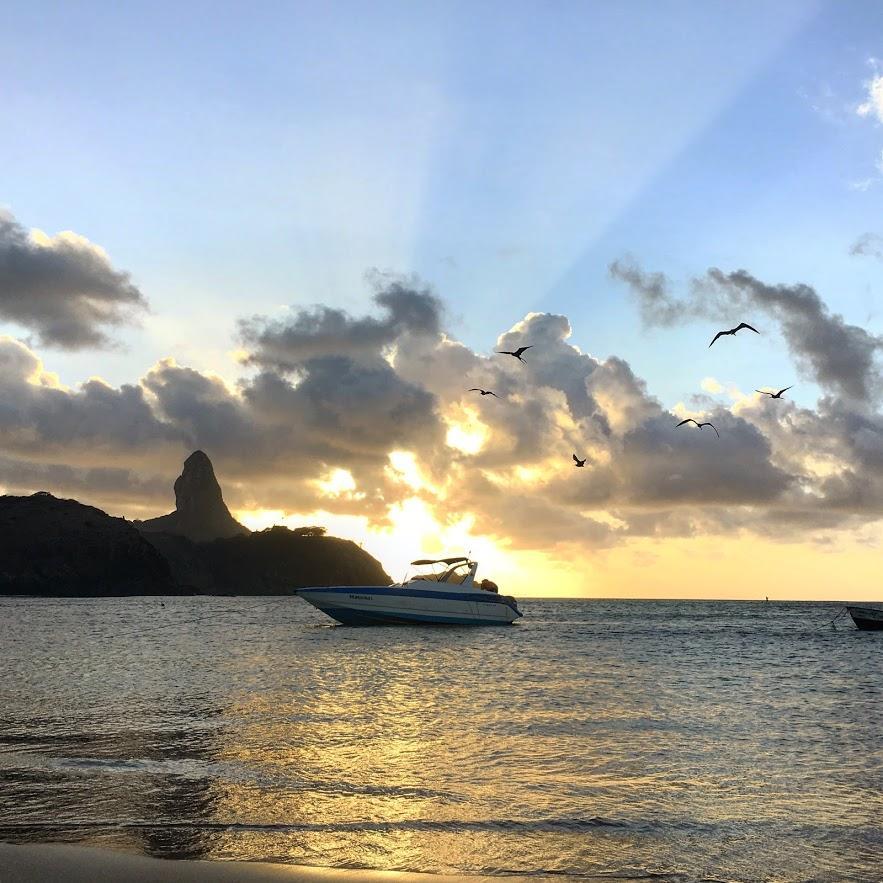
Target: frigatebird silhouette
700, 425
777, 395
579, 463
484, 392
739, 327
517, 353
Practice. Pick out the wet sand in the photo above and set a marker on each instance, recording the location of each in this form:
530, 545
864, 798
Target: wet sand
39, 862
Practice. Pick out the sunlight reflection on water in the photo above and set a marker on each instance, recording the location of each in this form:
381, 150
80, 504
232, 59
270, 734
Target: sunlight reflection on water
689, 740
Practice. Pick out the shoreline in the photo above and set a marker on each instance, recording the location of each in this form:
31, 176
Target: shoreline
72, 863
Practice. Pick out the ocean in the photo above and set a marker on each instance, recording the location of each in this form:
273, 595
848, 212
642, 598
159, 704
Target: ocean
625, 740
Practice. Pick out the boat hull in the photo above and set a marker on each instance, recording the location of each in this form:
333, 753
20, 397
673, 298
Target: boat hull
868, 619
355, 605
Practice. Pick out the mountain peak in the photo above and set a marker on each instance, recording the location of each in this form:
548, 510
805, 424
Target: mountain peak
200, 512
196, 489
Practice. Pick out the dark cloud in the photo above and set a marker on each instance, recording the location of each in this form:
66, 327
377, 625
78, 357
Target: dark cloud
855, 441
352, 409
64, 288
207, 414
551, 362
663, 464
841, 357
835, 455
285, 344
656, 304
337, 412
868, 244
657, 465
39, 417
111, 484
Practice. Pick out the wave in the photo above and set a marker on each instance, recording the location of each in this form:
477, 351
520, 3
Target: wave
522, 826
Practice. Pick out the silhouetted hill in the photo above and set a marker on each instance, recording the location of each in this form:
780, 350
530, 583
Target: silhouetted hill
61, 547
200, 512
267, 562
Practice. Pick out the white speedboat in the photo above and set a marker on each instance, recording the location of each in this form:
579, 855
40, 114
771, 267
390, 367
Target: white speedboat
447, 595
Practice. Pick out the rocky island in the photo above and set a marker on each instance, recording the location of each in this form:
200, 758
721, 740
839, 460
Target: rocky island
200, 511
63, 548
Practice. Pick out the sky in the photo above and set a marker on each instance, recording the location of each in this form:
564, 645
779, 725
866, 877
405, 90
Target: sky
293, 235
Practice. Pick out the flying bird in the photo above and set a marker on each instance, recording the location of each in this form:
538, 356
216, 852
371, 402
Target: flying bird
579, 463
700, 425
739, 327
517, 353
484, 392
776, 395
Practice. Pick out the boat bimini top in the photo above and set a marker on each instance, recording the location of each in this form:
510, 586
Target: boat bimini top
459, 570
421, 561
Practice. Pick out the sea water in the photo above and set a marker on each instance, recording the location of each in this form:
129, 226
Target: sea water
672, 740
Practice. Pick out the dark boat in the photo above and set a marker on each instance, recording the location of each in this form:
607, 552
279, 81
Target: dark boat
868, 619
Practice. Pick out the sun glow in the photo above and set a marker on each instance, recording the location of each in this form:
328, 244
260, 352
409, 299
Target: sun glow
403, 468
640, 568
412, 529
38, 376
338, 483
66, 239
466, 431
821, 465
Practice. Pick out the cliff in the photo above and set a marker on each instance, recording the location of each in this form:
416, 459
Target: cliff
59, 547
200, 511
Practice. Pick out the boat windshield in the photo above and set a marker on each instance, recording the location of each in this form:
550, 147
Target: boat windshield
457, 573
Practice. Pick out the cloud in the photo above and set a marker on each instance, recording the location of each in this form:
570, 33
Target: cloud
841, 357
337, 414
868, 244
284, 344
657, 306
114, 485
37, 416
641, 468
63, 288
355, 410
872, 106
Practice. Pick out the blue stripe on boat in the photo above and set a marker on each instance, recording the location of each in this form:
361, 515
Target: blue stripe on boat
478, 597
348, 616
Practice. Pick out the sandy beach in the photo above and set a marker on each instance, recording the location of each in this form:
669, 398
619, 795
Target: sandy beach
39, 862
